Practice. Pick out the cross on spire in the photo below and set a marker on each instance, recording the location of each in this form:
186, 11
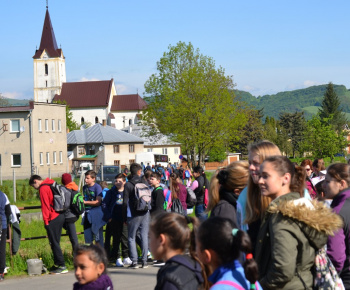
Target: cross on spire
47, 4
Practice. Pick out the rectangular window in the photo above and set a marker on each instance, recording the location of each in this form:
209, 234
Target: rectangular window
176, 150
54, 158
116, 162
39, 125
131, 148
47, 158
53, 125
164, 150
149, 149
59, 126
131, 161
115, 148
46, 125
81, 150
16, 160
14, 125
61, 157
41, 158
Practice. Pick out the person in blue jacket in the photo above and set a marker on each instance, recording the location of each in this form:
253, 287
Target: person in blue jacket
218, 246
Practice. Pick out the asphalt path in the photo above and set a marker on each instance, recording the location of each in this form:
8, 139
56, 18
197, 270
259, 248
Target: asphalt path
122, 278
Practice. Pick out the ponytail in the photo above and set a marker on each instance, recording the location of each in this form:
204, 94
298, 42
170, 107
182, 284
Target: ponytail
218, 235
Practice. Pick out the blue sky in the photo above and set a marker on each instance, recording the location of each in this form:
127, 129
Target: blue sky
267, 46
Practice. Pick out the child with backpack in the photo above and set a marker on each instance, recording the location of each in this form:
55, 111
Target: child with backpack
169, 239
178, 195
218, 246
70, 216
90, 263
92, 221
157, 193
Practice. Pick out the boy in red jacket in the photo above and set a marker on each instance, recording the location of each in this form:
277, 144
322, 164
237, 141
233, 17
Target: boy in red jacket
53, 221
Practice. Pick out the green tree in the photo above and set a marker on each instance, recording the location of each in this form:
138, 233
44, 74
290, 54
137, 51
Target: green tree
330, 110
189, 99
322, 140
294, 125
252, 132
217, 154
71, 123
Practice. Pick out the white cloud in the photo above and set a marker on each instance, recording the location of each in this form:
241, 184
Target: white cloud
309, 83
121, 89
13, 95
83, 79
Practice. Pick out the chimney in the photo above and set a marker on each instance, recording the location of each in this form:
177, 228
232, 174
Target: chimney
104, 123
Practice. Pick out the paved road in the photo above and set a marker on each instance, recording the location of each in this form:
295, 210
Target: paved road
123, 278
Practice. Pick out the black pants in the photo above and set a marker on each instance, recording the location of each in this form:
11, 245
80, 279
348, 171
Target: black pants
3, 250
119, 231
72, 233
54, 231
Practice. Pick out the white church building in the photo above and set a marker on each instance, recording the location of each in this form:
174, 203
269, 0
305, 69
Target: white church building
90, 102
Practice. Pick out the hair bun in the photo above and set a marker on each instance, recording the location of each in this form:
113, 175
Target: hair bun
222, 176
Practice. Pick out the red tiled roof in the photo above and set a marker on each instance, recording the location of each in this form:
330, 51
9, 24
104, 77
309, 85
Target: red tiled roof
48, 40
128, 103
86, 94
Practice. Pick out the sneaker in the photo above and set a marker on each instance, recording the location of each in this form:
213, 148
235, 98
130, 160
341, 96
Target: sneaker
6, 269
59, 270
134, 266
127, 261
2, 277
144, 265
159, 263
119, 263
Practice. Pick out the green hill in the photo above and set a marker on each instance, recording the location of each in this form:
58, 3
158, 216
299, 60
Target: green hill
307, 100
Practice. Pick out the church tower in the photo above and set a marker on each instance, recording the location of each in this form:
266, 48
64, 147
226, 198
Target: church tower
49, 65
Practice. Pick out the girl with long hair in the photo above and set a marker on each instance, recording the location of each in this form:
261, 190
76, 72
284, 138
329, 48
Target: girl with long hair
251, 205
198, 186
292, 229
232, 179
178, 190
170, 237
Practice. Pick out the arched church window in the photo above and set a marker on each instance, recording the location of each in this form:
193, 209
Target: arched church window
82, 120
46, 69
96, 120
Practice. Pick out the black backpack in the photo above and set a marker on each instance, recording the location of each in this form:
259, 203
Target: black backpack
176, 206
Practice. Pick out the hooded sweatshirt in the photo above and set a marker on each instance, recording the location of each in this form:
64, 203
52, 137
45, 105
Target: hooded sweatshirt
179, 272
46, 198
102, 283
292, 230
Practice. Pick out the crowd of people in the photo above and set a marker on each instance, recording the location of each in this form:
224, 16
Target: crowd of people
258, 224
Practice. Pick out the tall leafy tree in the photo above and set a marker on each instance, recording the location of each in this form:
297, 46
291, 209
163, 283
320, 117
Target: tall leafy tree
330, 110
189, 98
71, 123
294, 125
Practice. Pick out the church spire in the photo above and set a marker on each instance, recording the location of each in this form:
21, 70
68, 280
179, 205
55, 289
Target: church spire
48, 39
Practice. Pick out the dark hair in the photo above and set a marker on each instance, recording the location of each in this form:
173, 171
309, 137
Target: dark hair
96, 253
216, 234
319, 164
134, 168
319, 187
339, 171
148, 174
120, 176
91, 173
155, 175
298, 174
34, 177
200, 170
175, 227
174, 186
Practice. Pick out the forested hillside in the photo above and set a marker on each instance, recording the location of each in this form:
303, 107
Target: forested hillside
307, 100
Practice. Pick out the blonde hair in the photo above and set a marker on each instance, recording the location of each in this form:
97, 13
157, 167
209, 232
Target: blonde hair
237, 176
256, 203
213, 192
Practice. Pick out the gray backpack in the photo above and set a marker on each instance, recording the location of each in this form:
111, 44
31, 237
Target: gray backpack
144, 197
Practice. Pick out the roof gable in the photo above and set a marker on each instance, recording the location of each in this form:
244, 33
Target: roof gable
101, 134
48, 40
86, 94
128, 103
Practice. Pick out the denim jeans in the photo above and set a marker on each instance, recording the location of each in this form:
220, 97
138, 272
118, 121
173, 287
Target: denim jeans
200, 213
140, 223
89, 236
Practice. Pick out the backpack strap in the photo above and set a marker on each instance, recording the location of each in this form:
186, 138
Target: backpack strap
159, 187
